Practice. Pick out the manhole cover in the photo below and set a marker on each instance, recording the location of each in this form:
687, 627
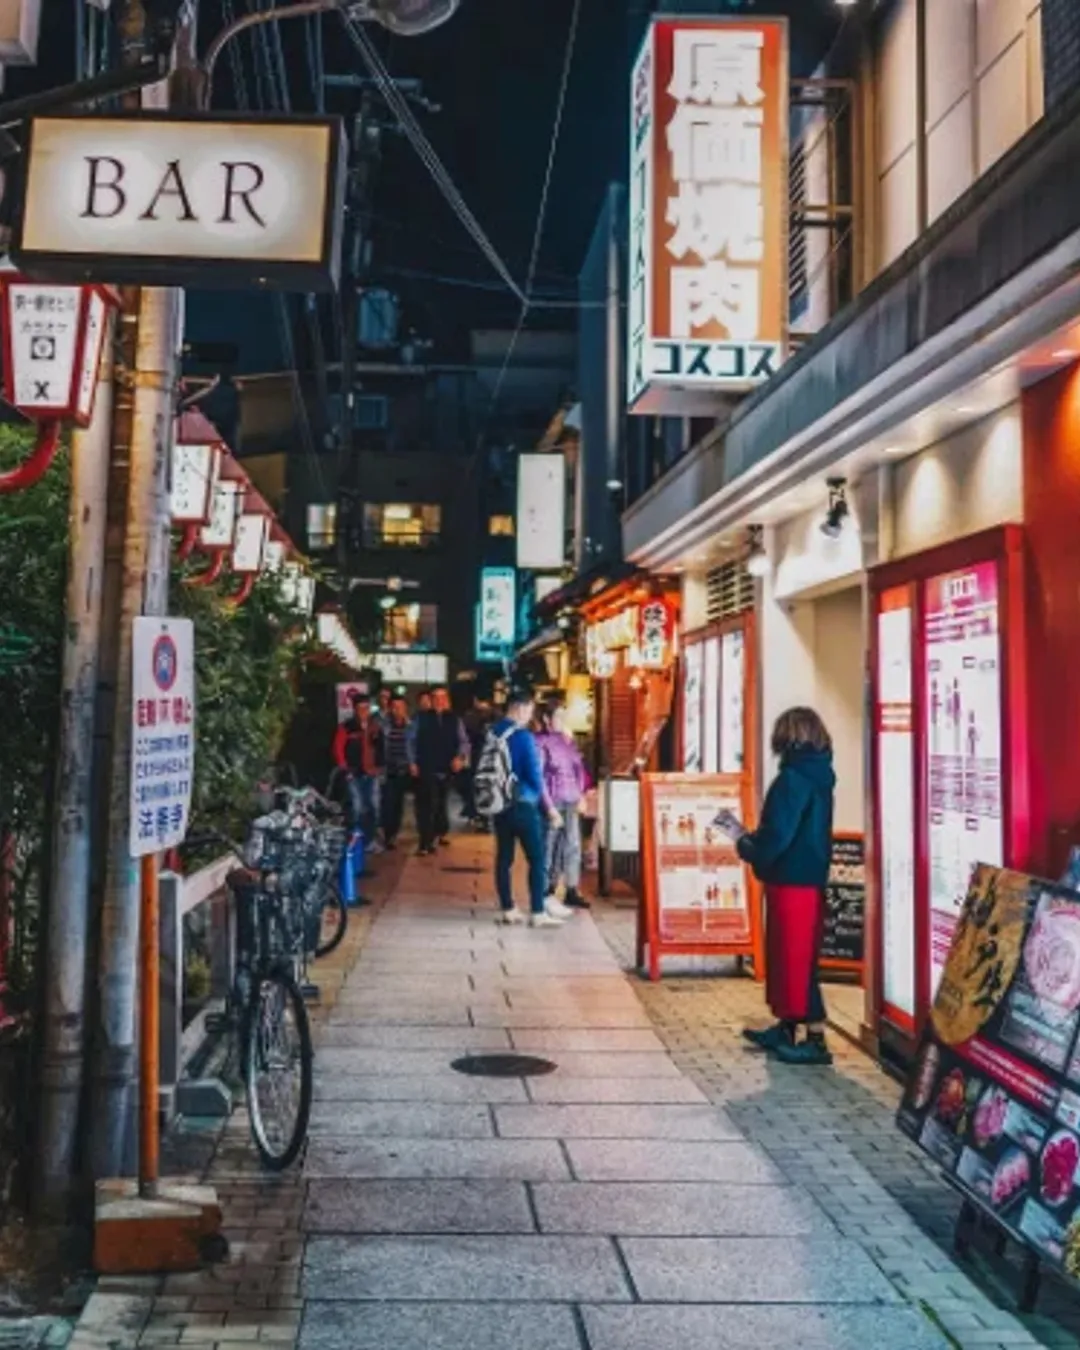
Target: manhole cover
503, 1066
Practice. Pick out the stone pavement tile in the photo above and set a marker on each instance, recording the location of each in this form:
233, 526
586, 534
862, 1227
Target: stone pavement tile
401, 1120
512, 1159
574, 1064
818, 1269
614, 1039
470, 1206
387, 1062
441, 1326
367, 1037
669, 1160
613, 1122
397, 1016
677, 1209
556, 1088
470, 1269
555, 1018
739, 1327
449, 1087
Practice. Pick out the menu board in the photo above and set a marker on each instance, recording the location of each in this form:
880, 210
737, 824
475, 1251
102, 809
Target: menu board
845, 903
994, 1096
963, 705
701, 890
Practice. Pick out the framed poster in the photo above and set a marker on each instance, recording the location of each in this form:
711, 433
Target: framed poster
994, 1094
698, 897
718, 698
710, 759
693, 672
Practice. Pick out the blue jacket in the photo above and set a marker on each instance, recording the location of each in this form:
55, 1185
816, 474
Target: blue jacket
792, 846
525, 762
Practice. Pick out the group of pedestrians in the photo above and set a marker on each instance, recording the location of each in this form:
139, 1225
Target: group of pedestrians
385, 752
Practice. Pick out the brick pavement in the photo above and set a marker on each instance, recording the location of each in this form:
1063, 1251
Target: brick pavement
661, 1186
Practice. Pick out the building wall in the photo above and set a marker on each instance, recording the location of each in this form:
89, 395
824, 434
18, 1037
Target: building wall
969, 482
984, 89
839, 668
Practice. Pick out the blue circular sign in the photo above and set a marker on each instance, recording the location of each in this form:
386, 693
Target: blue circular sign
165, 663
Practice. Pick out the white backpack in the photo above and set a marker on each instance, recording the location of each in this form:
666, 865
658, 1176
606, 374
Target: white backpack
494, 784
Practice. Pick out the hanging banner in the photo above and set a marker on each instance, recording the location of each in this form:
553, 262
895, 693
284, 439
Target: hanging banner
708, 210
541, 512
162, 733
496, 619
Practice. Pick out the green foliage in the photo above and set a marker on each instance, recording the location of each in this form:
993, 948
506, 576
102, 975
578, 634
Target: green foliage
33, 556
247, 662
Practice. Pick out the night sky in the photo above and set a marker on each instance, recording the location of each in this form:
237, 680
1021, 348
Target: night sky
495, 71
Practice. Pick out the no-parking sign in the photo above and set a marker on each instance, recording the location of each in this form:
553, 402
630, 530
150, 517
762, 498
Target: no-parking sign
162, 733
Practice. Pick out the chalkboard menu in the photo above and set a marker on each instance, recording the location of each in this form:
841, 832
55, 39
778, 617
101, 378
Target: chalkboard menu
845, 904
994, 1096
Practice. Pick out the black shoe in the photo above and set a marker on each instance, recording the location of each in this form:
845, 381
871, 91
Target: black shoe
575, 901
769, 1038
811, 1051
390, 846
444, 842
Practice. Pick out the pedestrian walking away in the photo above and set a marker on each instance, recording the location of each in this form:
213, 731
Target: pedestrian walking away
566, 780
790, 853
398, 739
440, 750
510, 788
358, 752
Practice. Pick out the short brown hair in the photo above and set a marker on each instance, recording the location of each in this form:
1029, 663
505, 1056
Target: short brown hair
799, 726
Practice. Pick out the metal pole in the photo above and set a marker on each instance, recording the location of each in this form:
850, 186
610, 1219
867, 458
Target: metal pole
144, 590
149, 1031
67, 922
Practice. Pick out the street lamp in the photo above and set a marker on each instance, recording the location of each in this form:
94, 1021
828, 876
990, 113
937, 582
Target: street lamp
407, 18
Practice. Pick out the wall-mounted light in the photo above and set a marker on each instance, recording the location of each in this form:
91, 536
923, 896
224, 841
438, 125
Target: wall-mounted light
838, 511
614, 485
757, 560
387, 602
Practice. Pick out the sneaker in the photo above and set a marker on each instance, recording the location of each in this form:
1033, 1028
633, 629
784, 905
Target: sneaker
770, 1038
545, 921
509, 918
425, 852
557, 911
810, 1051
375, 848
576, 901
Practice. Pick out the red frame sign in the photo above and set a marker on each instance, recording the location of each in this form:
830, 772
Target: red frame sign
689, 872
902, 874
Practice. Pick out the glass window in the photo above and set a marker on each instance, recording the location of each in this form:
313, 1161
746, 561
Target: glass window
501, 525
410, 626
321, 525
401, 525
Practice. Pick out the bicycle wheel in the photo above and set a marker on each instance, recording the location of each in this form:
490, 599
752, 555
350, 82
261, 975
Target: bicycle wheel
333, 921
278, 1068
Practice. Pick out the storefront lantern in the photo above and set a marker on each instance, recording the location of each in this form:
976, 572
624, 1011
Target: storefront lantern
655, 645
53, 338
194, 471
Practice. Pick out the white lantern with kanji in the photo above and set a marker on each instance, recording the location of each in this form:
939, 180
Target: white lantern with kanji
53, 338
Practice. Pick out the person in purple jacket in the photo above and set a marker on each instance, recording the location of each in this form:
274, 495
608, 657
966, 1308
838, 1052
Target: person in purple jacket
566, 780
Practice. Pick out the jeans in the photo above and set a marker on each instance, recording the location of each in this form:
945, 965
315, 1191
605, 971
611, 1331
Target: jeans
466, 787
521, 824
395, 787
432, 808
361, 803
563, 849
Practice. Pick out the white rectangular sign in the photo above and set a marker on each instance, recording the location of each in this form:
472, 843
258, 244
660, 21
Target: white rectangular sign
194, 475
126, 199
43, 345
162, 733
541, 513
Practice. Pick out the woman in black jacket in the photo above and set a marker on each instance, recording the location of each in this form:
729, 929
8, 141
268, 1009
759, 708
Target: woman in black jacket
790, 853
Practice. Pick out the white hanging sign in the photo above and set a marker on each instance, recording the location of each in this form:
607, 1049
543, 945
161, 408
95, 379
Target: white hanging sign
162, 733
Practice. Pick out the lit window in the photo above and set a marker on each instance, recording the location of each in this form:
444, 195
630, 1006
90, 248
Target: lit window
501, 525
321, 525
411, 626
401, 525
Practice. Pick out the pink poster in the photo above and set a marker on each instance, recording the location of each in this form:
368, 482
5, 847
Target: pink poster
963, 713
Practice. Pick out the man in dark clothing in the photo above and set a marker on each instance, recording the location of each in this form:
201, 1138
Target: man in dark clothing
441, 749
358, 750
398, 738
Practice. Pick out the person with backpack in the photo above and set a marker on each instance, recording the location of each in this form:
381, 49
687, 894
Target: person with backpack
510, 790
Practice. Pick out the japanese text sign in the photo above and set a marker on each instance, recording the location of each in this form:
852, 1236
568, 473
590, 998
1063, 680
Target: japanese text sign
656, 634
497, 615
708, 286
162, 733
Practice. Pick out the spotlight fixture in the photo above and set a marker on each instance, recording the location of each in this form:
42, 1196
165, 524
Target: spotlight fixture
387, 602
614, 485
838, 511
757, 560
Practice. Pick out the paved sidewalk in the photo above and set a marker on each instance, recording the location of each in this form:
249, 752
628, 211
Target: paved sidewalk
661, 1187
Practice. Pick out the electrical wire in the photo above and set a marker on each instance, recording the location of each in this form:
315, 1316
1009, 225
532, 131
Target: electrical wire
541, 214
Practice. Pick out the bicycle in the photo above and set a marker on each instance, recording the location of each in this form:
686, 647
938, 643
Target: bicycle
314, 863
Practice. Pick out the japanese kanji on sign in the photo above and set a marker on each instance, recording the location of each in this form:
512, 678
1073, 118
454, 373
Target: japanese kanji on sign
162, 733
708, 285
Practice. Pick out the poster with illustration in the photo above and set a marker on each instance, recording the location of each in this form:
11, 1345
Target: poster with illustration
963, 701
994, 1096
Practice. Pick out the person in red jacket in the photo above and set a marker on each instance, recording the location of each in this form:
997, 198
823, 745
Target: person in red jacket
359, 752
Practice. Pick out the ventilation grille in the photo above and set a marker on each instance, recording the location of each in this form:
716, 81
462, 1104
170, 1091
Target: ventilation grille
729, 591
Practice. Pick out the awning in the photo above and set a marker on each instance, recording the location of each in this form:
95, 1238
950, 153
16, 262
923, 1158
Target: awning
548, 637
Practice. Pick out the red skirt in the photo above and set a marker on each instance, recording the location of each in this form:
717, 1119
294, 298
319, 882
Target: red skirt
795, 927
